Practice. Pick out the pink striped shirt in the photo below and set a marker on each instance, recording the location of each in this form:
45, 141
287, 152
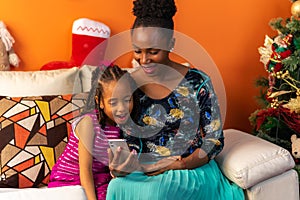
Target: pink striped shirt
66, 170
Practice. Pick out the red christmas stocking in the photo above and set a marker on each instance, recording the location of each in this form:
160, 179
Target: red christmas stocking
88, 45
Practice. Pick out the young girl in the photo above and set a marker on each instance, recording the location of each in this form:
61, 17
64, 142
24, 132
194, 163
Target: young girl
84, 160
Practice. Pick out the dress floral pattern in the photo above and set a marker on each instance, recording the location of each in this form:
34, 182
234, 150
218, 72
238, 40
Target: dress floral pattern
187, 119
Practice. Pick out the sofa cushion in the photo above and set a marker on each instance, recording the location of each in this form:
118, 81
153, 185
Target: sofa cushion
36, 83
33, 134
283, 186
75, 192
248, 160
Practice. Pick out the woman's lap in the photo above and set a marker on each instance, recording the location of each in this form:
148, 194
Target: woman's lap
206, 182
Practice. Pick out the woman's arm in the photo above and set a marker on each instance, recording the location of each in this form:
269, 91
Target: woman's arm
85, 133
194, 160
210, 125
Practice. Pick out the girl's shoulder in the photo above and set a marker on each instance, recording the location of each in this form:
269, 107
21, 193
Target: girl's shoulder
87, 119
92, 115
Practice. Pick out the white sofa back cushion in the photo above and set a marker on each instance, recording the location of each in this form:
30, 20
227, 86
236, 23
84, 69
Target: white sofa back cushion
37, 83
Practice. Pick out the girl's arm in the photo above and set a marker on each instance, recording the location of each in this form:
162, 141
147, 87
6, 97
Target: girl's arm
85, 133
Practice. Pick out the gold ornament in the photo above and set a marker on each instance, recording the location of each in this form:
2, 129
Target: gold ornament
295, 9
293, 105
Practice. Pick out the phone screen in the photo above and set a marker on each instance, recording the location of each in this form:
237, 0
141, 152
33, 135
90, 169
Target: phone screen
115, 143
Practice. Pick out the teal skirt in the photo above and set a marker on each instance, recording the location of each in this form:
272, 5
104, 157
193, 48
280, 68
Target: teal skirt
203, 183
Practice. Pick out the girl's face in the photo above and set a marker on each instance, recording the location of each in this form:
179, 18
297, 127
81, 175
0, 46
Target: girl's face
117, 101
151, 49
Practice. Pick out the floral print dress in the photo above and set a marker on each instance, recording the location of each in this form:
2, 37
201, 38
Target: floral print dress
188, 118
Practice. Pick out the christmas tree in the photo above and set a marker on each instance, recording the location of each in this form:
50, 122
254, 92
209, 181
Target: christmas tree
279, 116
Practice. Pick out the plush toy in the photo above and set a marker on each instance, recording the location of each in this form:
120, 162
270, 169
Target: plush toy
8, 57
295, 147
88, 45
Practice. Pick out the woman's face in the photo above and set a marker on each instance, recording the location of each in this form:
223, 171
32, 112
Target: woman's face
117, 101
151, 49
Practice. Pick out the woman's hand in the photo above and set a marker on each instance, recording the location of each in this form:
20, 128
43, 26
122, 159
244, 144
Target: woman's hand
165, 164
196, 159
118, 167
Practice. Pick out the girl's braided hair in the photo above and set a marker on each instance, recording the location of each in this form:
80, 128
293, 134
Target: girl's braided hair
100, 75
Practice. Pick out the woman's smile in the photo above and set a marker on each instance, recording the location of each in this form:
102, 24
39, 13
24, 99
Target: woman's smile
150, 68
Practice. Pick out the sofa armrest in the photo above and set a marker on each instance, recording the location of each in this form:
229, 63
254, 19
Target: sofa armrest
248, 160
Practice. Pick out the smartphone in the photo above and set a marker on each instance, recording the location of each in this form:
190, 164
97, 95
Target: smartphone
115, 143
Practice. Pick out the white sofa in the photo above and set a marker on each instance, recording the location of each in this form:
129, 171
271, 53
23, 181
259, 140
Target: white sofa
264, 170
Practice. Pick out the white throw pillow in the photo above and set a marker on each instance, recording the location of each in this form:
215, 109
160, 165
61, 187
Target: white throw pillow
37, 83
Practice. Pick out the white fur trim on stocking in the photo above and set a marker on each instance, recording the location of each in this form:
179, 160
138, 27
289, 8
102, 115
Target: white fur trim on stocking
84, 26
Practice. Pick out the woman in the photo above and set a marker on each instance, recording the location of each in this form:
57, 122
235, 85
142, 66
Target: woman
179, 128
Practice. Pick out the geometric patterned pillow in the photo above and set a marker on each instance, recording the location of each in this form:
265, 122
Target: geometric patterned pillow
33, 134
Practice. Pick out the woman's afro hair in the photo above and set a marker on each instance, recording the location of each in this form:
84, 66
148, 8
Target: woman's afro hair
163, 9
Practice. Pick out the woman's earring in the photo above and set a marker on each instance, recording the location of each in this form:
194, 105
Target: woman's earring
172, 49
135, 63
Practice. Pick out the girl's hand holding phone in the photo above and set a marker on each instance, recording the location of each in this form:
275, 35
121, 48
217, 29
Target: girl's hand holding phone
122, 162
